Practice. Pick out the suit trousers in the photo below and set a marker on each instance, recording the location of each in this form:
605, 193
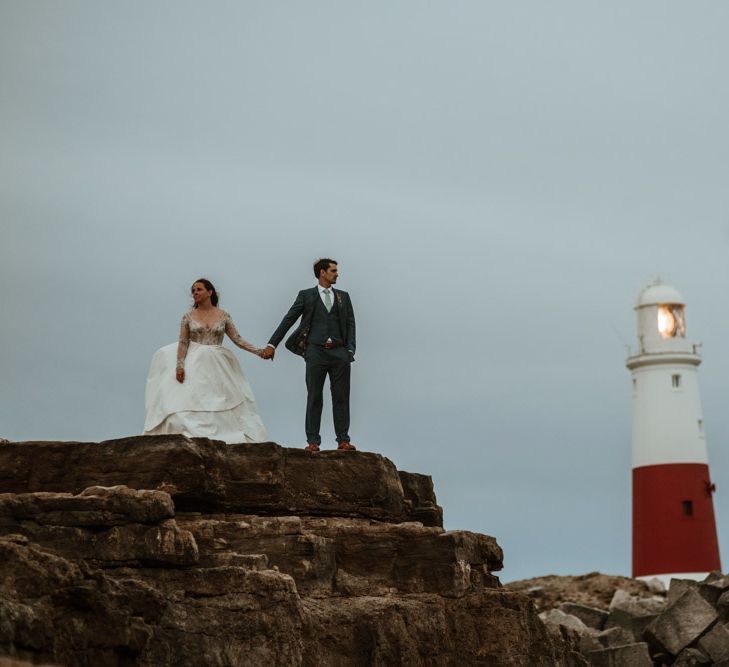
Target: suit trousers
336, 364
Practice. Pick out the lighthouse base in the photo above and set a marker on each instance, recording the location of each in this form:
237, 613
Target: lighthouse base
674, 532
665, 579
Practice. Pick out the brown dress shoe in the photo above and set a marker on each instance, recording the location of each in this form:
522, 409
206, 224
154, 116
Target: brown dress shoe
346, 446
312, 448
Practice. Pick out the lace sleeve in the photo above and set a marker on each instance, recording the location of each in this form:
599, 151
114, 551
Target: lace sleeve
235, 336
184, 342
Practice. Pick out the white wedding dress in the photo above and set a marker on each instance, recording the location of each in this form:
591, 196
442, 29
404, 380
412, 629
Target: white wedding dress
215, 400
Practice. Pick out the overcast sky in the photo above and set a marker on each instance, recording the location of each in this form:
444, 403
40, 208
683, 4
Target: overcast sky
497, 180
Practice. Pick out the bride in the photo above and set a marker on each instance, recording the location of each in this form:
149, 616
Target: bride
196, 387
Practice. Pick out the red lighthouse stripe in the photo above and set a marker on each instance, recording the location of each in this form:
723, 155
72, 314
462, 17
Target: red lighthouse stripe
673, 520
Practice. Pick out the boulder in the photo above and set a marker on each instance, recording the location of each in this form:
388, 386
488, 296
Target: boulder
572, 629
590, 616
593, 589
629, 655
691, 657
682, 623
709, 590
656, 586
712, 590
677, 587
715, 643
558, 617
615, 637
633, 613
722, 606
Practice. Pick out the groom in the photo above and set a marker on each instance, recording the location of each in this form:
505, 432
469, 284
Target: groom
325, 338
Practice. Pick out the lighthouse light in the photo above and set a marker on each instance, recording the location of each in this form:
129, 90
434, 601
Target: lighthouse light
666, 322
671, 321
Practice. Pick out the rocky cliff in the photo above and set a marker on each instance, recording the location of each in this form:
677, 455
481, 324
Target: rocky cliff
156, 551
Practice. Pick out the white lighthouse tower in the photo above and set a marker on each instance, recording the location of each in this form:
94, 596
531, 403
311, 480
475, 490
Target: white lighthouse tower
674, 532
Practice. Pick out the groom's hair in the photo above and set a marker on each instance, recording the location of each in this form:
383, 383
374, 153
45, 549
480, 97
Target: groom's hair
322, 265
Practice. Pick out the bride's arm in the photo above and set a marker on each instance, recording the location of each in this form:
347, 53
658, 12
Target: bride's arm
236, 337
183, 343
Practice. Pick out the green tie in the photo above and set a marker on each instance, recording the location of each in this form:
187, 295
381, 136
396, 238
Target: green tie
328, 299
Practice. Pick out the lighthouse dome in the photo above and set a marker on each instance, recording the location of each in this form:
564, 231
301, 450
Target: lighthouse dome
658, 293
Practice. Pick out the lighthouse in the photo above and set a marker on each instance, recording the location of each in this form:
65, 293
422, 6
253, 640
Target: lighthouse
674, 532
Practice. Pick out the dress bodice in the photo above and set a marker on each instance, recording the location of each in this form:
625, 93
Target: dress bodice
204, 334
192, 330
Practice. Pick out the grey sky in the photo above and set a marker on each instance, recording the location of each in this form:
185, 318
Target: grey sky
497, 180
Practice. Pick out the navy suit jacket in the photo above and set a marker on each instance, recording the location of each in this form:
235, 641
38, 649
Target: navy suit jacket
303, 307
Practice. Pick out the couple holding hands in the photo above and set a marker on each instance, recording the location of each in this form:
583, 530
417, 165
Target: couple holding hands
196, 387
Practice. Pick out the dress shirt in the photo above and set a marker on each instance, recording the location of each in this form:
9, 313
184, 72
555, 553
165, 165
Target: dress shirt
323, 296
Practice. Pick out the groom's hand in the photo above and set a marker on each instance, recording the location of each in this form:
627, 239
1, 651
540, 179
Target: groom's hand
268, 353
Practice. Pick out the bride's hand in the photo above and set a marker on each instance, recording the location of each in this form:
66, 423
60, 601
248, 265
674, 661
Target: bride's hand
180, 374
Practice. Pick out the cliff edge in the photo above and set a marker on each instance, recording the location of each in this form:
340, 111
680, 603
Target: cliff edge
166, 550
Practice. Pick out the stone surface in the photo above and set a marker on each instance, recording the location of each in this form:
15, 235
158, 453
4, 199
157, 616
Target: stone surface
722, 606
677, 587
656, 586
572, 629
101, 525
715, 643
629, 655
559, 617
593, 589
691, 657
712, 590
487, 628
682, 623
615, 637
633, 613
189, 552
94, 507
67, 613
354, 556
420, 498
590, 616
205, 475
409, 557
